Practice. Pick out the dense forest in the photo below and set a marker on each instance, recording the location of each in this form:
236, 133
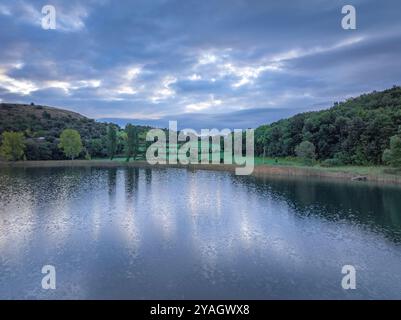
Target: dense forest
42, 127
356, 131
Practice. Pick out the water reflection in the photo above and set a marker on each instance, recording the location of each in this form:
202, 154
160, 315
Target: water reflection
369, 205
173, 233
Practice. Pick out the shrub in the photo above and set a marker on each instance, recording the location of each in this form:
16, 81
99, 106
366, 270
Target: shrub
306, 151
392, 156
13, 146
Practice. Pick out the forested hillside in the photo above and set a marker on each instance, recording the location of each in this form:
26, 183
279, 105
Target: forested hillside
353, 132
42, 127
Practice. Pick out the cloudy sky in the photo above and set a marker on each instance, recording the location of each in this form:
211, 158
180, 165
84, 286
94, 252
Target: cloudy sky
220, 63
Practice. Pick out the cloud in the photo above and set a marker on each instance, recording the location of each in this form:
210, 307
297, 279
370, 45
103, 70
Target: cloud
164, 90
22, 87
204, 105
5, 10
73, 20
224, 61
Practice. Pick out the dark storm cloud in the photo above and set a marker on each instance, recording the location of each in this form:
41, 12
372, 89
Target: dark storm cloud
225, 63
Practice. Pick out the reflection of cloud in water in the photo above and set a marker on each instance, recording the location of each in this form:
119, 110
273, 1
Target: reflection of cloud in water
17, 223
96, 221
129, 229
162, 203
136, 232
115, 211
205, 208
58, 212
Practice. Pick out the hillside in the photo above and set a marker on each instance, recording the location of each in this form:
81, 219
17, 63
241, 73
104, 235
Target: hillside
8, 110
43, 125
356, 131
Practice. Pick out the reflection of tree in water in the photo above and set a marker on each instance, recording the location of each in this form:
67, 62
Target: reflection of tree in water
67, 180
112, 177
131, 182
375, 206
148, 175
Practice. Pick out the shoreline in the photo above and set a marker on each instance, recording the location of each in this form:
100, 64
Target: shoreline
259, 170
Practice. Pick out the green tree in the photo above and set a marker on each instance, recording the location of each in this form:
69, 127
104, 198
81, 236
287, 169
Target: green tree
387, 155
392, 156
13, 145
306, 151
111, 141
121, 141
132, 142
70, 143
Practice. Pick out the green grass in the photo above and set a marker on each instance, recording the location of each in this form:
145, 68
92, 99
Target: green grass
288, 161
358, 170
294, 162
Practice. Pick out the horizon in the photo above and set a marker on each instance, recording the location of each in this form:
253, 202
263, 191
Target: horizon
225, 64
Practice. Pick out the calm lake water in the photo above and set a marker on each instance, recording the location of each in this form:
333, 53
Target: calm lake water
179, 234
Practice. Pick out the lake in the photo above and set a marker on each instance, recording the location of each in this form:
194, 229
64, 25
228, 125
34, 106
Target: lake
179, 234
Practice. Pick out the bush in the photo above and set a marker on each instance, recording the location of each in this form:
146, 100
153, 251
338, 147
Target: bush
392, 156
13, 146
387, 155
88, 156
343, 157
306, 151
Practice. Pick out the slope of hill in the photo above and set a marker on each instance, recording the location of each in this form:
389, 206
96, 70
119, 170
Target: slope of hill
43, 125
9, 110
356, 131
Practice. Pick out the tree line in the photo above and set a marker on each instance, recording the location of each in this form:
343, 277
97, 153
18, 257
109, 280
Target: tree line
360, 131
13, 144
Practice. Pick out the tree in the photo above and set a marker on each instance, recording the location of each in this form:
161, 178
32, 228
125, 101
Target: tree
392, 156
97, 147
132, 141
121, 141
111, 141
306, 151
70, 143
387, 155
13, 145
